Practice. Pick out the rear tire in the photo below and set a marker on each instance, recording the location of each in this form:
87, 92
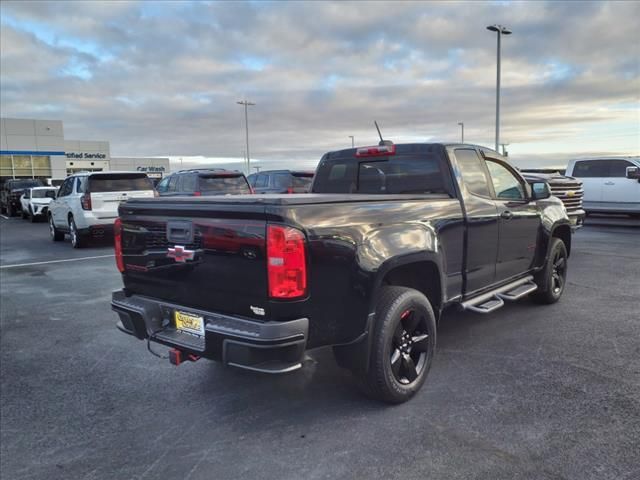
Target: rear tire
10, 211
552, 279
77, 241
403, 345
56, 235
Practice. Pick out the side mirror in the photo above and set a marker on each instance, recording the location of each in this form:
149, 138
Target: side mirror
633, 173
540, 190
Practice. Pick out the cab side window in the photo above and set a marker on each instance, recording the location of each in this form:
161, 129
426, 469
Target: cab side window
505, 183
473, 172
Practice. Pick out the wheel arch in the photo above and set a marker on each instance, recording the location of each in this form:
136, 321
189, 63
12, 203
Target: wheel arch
421, 271
405, 271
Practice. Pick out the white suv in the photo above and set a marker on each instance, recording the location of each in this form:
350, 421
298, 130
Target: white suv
87, 203
35, 201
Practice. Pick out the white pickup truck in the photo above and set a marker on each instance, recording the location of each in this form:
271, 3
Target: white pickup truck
611, 185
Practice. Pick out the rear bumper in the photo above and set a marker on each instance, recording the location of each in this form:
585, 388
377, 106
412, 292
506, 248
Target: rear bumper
97, 231
270, 347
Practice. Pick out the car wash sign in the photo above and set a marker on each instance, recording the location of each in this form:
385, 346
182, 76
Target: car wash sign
151, 171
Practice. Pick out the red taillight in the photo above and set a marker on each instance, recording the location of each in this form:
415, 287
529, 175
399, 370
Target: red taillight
290, 190
117, 244
377, 151
197, 194
85, 201
286, 262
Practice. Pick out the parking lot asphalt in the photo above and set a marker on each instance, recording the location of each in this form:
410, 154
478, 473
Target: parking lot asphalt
531, 392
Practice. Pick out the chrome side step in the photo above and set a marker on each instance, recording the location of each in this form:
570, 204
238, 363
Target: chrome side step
493, 300
519, 292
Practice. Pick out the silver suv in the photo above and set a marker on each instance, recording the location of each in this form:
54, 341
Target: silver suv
86, 205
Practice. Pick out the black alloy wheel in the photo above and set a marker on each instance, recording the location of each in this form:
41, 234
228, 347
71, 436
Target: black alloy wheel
410, 344
552, 279
559, 274
403, 344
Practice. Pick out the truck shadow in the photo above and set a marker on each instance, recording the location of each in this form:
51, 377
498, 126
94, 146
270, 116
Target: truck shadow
322, 388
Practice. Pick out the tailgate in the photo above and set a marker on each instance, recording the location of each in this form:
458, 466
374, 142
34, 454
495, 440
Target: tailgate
211, 259
105, 204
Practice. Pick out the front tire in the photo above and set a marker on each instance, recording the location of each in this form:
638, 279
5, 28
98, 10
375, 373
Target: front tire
553, 278
403, 345
56, 235
24, 214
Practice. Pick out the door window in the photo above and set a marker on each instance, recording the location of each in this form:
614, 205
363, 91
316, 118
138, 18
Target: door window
66, 187
618, 168
591, 169
281, 181
262, 180
505, 184
163, 185
189, 183
473, 172
173, 180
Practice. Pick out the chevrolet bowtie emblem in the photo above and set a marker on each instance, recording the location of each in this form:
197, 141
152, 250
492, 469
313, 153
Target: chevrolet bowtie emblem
180, 254
571, 193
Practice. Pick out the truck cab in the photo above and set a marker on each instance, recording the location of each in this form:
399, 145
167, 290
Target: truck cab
611, 185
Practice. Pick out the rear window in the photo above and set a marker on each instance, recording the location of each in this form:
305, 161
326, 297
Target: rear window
24, 184
43, 193
224, 185
417, 173
302, 180
119, 182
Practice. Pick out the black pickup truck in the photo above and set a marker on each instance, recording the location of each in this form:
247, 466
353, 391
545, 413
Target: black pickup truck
389, 237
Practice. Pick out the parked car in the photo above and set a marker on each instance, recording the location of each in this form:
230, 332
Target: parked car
389, 237
86, 205
281, 181
34, 202
11, 191
568, 189
611, 185
204, 182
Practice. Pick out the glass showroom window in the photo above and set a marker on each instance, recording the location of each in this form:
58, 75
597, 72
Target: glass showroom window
41, 166
6, 170
22, 166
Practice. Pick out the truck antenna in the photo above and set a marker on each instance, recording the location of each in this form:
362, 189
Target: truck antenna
382, 140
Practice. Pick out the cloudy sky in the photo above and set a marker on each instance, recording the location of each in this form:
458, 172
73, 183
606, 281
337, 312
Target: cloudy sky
163, 78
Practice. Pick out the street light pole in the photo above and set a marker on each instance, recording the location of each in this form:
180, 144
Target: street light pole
352, 141
462, 132
500, 30
246, 127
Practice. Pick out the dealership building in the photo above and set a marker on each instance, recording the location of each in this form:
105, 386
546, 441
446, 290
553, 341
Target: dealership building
37, 149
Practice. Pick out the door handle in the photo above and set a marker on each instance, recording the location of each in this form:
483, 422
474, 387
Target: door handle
507, 215
609, 183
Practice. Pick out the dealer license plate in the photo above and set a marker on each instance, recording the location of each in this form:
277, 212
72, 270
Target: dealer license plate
190, 323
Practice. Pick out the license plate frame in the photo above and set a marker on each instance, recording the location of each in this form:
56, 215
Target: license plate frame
189, 323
